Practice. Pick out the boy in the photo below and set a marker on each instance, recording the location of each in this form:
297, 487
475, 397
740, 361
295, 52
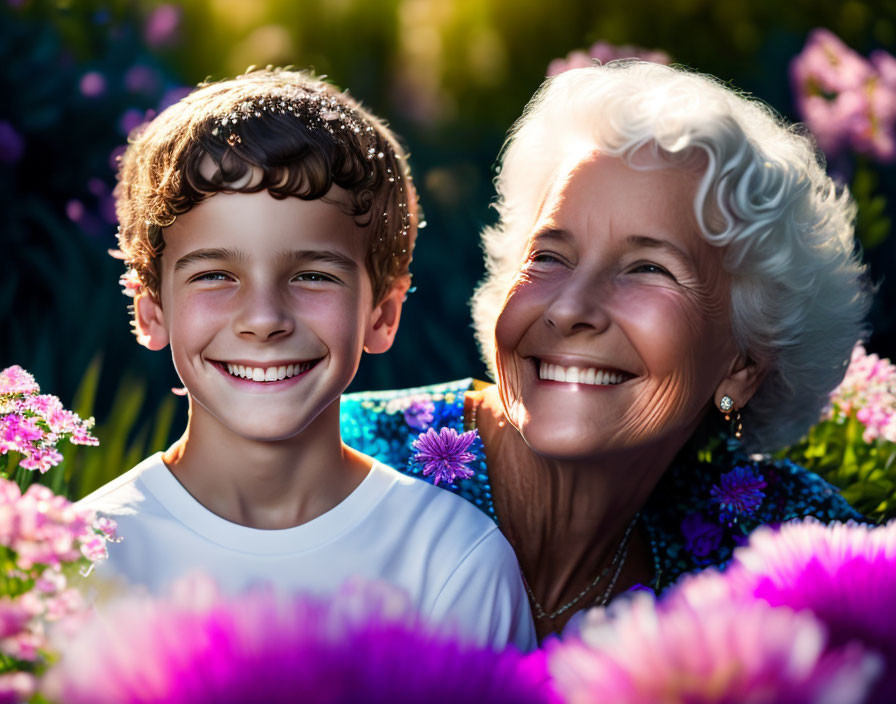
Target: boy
268, 222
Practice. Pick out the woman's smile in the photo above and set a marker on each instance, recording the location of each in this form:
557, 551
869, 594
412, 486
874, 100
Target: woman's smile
611, 298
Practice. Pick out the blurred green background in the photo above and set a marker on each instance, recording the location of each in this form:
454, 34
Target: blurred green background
450, 76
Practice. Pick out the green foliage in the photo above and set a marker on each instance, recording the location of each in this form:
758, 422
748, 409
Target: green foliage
127, 434
864, 472
872, 224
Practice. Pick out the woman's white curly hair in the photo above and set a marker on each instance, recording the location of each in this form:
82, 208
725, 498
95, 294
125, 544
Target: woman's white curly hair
799, 294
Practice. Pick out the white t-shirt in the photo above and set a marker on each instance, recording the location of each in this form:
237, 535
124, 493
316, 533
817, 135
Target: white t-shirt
448, 556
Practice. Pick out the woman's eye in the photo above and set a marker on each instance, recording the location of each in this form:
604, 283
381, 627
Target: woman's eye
647, 268
544, 258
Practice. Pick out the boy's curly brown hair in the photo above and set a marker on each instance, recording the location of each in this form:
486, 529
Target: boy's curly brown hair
283, 131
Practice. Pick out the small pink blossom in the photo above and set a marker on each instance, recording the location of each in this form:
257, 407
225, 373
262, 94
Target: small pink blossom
15, 380
605, 52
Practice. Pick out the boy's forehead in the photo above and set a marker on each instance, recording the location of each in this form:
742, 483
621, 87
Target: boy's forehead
250, 225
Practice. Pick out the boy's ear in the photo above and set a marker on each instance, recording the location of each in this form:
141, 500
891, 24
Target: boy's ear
384, 319
743, 379
149, 322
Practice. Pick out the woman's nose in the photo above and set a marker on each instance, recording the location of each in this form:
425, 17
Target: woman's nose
264, 314
580, 305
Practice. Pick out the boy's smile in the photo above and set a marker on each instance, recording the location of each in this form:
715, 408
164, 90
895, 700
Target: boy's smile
267, 305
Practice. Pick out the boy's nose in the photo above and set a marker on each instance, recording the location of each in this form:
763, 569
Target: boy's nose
263, 315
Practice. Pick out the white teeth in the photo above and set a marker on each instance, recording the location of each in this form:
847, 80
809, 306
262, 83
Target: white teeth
578, 375
267, 374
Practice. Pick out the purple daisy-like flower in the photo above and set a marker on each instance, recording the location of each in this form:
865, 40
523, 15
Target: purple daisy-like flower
738, 494
845, 574
445, 454
366, 645
715, 651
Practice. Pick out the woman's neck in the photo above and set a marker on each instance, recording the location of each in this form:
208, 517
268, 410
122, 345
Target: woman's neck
567, 520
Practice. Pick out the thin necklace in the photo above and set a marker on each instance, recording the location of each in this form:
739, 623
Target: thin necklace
617, 562
615, 565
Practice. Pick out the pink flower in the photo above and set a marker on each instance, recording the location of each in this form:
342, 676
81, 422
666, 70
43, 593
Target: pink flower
605, 52
844, 574
717, 651
15, 380
846, 100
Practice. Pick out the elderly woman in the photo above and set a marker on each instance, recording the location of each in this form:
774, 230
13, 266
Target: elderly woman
672, 285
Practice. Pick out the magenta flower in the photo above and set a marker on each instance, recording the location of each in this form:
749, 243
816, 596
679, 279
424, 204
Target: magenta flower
364, 645
445, 455
718, 651
845, 574
739, 495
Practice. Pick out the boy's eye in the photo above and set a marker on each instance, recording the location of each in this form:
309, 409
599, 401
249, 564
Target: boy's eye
315, 277
212, 276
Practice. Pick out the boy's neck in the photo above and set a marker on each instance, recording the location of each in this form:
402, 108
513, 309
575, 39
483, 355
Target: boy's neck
264, 484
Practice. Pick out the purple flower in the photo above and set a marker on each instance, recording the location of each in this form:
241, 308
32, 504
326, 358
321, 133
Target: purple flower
12, 146
200, 647
714, 651
739, 495
702, 537
162, 25
445, 454
845, 574
419, 414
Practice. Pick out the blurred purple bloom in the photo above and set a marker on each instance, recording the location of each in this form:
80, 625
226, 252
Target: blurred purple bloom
142, 79
131, 119
701, 537
74, 210
93, 84
739, 495
844, 573
365, 645
115, 156
173, 95
162, 25
12, 145
604, 52
714, 651
445, 454
419, 414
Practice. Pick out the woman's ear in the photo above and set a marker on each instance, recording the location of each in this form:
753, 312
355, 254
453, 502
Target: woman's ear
743, 379
384, 319
149, 322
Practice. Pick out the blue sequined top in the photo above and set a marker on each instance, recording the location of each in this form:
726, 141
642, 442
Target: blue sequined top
695, 517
